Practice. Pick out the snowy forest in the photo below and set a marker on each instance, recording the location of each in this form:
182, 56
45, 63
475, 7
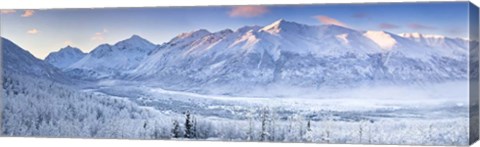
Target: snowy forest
55, 110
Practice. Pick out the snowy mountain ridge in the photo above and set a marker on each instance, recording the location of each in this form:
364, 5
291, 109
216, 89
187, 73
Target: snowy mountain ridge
107, 60
65, 57
282, 53
289, 53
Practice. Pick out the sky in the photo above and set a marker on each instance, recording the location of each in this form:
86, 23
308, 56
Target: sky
47, 30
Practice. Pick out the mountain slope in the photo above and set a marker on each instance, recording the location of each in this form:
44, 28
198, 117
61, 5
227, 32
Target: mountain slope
16, 60
65, 57
448, 47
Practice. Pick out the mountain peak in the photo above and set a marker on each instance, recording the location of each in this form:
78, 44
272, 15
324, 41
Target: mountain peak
190, 35
135, 38
65, 57
135, 41
279, 21
279, 25
69, 48
199, 32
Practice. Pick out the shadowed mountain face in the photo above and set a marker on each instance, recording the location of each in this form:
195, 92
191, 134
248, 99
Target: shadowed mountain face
19, 61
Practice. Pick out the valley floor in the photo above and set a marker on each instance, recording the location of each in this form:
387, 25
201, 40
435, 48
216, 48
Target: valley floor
44, 108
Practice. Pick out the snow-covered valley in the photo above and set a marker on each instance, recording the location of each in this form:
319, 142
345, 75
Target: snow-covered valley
284, 82
151, 113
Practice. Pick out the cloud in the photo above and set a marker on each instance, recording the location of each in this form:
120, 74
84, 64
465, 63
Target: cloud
328, 20
417, 26
360, 15
7, 11
388, 26
248, 11
32, 31
28, 13
99, 36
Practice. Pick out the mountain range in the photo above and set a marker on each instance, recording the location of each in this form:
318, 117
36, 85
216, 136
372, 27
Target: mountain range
282, 53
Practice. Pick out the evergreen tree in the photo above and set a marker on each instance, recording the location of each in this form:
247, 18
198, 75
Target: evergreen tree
264, 135
176, 131
308, 137
188, 125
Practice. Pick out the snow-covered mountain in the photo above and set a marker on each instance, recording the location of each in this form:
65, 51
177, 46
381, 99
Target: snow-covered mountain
16, 60
112, 60
281, 54
288, 53
65, 57
448, 47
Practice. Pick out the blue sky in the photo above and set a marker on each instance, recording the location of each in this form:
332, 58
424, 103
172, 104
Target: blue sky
44, 31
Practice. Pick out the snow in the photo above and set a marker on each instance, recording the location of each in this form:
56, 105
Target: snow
289, 53
109, 60
255, 83
20, 61
343, 37
59, 111
419, 35
65, 57
444, 46
382, 39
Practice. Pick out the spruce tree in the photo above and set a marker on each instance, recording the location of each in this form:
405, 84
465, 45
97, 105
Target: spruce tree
264, 135
176, 129
188, 125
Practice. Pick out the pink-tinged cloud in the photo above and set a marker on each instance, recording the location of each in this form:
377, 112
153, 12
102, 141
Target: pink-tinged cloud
99, 36
28, 13
248, 11
5, 11
32, 31
67, 42
328, 20
417, 26
387, 26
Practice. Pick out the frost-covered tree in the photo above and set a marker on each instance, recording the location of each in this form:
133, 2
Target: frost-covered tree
176, 130
189, 133
264, 133
308, 137
56, 110
272, 126
250, 126
326, 131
